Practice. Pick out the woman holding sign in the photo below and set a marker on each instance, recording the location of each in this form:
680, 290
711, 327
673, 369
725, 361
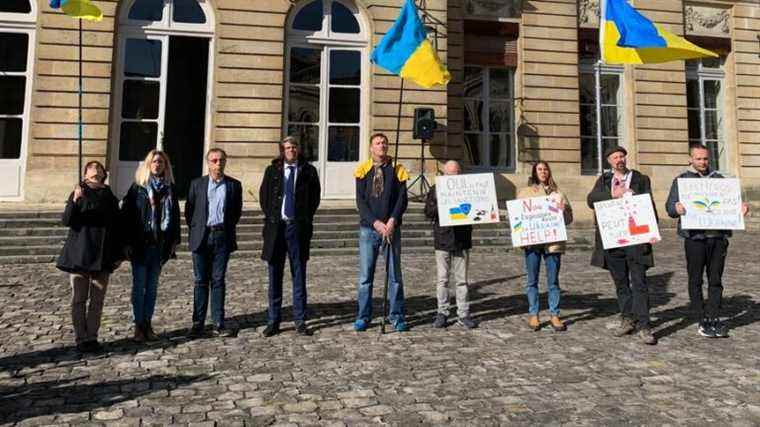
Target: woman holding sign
541, 184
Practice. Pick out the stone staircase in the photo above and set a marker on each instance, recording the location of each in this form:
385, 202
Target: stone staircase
37, 236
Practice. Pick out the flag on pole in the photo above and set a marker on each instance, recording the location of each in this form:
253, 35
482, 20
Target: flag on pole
628, 37
82, 9
406, 51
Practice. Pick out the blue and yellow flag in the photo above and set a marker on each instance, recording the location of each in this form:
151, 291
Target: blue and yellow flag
81, 9
406, 51
628, 37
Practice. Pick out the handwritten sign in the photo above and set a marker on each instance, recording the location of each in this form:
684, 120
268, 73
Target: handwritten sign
711, 203
626, 221
536, 221
466, 199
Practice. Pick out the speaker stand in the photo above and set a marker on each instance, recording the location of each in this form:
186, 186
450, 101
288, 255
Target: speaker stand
423, 181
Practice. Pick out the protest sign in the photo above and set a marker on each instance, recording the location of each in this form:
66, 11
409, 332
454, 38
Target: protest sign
466, 199
535, 221
627, 221
711, 203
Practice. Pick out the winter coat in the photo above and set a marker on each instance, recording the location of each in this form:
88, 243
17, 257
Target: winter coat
135, 207
454, 238
308, 192
94, 242
602, 190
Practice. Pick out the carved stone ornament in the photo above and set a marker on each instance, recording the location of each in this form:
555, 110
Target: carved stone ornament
707, 21
492, 8
588, 13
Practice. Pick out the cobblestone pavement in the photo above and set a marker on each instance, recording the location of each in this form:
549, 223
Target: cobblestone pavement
500, 373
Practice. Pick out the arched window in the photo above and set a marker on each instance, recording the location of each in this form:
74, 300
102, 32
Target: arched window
327, 73
17, 31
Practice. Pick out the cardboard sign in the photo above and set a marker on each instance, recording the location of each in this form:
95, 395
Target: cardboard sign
536, 221
466, 199
626, 221
711, 203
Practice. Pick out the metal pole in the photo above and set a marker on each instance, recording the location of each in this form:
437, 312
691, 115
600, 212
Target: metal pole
80, 130
398, 121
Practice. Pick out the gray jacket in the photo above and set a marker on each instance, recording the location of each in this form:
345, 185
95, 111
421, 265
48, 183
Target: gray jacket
673, 198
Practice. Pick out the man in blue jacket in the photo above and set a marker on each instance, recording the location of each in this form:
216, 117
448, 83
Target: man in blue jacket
705, 249
381, 199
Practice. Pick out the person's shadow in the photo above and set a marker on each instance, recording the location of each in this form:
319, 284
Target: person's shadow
17, 403
739, 310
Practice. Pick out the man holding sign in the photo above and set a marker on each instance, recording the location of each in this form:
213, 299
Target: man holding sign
627, 264
452, 254
705, 249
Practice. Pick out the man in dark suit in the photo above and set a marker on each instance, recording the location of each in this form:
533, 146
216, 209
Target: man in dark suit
212, 211
627, 265
289, 195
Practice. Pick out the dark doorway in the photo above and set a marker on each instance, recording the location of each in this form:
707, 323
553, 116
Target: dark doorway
185, 116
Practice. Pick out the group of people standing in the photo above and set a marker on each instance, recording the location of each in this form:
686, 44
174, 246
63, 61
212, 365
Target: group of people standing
145, 229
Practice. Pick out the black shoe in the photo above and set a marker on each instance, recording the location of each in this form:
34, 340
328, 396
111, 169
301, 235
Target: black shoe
224, 332
706, 329
271, 330
301, 329
195, 332
719, 328
440, 321
89, 347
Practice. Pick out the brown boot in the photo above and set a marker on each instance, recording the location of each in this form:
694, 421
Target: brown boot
534, 323
557, 324
148, 331
139, 333
626, 327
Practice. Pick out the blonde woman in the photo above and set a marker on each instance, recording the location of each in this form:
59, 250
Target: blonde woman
152, 232
542, 184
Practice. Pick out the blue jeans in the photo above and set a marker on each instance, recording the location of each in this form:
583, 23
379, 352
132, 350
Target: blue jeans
209, 269
287, 244
532, 268
370, 246
145, 272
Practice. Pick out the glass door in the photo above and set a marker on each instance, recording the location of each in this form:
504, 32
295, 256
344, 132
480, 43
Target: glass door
141, 89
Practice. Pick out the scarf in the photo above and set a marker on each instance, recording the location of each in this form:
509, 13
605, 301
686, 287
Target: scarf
377, 180
160, 198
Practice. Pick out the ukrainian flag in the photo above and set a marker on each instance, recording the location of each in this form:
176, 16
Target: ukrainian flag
628, 37
81, 9
406, 51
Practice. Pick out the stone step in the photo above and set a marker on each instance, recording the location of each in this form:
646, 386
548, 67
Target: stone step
59, 236
256, 245
242, 228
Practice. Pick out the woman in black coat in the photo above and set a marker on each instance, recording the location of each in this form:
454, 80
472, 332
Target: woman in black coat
92, 251
150, 214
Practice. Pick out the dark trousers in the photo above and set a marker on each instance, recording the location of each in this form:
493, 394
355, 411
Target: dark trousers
209, 269
287, 244
704, 254
631, 285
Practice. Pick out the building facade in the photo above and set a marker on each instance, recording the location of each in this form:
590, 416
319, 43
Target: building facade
188, 75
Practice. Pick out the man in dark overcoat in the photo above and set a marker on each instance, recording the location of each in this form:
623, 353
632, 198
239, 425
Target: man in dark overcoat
627, 265
289, 196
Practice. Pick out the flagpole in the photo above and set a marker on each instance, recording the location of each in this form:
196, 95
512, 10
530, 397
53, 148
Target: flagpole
398, 120
79, 100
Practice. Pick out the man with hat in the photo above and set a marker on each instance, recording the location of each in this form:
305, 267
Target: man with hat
627, 265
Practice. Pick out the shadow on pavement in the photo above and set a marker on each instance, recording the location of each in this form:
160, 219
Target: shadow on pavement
56, 397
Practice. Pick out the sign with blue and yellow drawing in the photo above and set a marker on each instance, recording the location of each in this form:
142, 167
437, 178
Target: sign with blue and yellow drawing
466, 199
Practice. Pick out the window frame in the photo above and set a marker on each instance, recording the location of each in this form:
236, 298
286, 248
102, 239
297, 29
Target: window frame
167, 23
13, 19
597, 69
484, 144
22, 23
326, 35
326, 41
697, 71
